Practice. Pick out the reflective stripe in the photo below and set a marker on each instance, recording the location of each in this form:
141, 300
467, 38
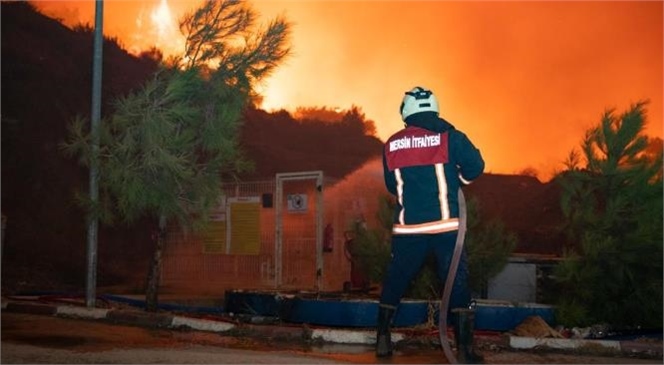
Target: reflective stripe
464, 181
431, 227
442, 192
397, 176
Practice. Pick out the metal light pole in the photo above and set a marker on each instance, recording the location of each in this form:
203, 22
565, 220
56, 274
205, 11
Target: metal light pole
93, 224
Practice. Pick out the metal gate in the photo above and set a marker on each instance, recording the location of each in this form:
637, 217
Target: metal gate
299, 248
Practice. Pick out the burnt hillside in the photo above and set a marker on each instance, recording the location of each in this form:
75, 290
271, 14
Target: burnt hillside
46, 82
278, 143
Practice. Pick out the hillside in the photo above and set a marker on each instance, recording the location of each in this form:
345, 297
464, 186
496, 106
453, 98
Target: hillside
46, 81
527, 207
278, 143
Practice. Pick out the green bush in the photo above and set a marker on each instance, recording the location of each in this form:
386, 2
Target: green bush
488, 247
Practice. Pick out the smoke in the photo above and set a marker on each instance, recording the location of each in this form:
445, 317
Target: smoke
356, 197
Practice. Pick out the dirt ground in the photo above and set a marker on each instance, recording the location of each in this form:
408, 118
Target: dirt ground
94, 338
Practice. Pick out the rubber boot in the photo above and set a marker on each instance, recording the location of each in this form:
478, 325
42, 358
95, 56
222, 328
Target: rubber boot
464, 325
383, 336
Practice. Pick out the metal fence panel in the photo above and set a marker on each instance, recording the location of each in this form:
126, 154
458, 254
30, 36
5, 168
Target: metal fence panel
188, 267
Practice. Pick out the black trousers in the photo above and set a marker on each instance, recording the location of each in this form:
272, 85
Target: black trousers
408, 255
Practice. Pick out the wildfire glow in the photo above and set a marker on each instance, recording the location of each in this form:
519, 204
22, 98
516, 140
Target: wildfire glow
167, 34
162, 19
524, 79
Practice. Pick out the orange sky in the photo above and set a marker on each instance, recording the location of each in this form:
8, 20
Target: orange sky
523, 80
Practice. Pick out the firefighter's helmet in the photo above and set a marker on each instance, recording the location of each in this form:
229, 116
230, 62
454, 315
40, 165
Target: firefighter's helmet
418, 100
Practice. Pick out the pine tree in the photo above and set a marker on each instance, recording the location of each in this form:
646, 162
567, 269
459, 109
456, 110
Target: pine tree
612, 273
164, 150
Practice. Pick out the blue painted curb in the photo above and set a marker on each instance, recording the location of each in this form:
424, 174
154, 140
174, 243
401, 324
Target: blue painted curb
139, 303
334, 312
265, 304
354, 313
165, 306
491, 315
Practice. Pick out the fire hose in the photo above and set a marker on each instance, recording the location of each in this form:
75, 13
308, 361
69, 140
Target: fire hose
451, 275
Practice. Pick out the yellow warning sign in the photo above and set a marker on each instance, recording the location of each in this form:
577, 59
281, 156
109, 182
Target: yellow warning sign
214, 238
235, 229
245, 237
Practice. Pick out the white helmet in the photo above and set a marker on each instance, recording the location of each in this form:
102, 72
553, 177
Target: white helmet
418, 100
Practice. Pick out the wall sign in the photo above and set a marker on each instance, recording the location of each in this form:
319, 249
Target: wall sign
297, 203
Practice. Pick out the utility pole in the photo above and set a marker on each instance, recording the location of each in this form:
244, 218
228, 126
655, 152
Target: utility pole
93, 221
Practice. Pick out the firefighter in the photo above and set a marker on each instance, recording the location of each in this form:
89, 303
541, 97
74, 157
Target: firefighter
424, 165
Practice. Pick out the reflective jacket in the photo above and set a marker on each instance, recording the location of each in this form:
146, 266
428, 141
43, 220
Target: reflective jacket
424, 166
